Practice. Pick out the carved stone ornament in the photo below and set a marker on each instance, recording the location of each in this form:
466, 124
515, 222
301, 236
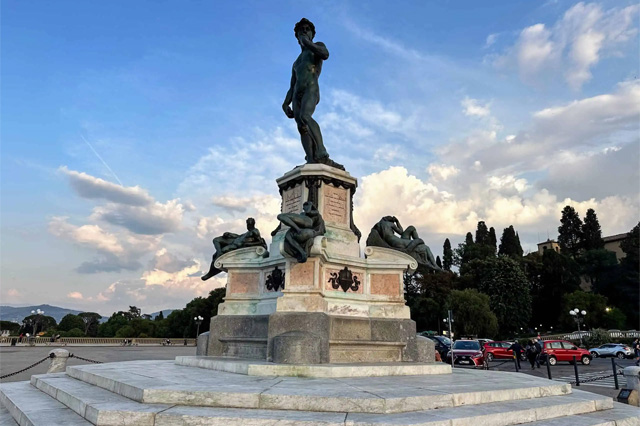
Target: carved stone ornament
345, 280
275, 280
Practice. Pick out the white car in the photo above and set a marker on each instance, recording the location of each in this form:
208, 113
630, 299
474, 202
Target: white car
618, 350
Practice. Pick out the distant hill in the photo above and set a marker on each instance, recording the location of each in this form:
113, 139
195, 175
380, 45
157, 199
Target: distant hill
17, 314
165, 313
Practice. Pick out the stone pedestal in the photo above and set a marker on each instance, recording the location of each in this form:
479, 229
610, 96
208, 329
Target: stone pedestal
337, 307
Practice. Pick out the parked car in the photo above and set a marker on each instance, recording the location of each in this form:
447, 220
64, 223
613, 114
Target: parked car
466, 352
561, 350
483, 341
500, 350
618, 350
443, 343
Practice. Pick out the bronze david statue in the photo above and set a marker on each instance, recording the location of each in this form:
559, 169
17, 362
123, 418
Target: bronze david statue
304, 93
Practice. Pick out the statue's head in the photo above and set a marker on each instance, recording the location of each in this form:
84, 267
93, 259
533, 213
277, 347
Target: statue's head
308, 207
303, 26
251, 223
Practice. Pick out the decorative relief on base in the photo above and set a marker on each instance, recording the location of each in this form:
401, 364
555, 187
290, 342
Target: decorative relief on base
335, 204
275, 280
292, 200
345, 280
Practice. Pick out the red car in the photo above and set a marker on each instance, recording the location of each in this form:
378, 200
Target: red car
561, 350
500, 350
466, 352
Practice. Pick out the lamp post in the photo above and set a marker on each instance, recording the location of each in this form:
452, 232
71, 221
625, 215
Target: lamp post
448, 321
578, 316
198, 321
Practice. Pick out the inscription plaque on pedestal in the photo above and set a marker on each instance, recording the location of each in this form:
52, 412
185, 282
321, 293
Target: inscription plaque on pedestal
335, 204
292, 200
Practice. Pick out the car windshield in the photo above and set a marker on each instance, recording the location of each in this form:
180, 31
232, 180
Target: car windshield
445, 340
466, 344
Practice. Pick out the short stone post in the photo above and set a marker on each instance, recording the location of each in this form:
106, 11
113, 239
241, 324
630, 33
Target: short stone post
59, 358
632, 375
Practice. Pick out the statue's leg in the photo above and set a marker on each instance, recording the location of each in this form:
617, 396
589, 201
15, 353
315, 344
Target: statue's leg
213, 271
303, 129
410, 233
307, 108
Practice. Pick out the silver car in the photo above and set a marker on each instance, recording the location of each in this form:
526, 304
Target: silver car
618, 350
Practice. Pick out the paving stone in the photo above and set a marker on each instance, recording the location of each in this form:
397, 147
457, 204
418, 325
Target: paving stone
35, 408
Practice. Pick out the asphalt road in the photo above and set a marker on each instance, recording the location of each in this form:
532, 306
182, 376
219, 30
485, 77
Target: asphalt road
18, 357
563, 371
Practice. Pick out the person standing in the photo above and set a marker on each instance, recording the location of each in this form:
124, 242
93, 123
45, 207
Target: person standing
517, 352
530, 350
636, 350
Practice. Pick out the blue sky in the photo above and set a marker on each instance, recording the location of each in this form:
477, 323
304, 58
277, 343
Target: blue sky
134, 132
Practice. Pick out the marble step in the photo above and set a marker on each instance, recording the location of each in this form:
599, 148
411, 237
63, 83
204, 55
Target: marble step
97, 405
496, 414
30, 407
161, 382
6, 419
619, 415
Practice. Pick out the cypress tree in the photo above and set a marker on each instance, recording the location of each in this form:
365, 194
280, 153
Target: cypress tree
510, 243
468, 240
493, 242
482, 234
570, 232
591, 232
447, 255
438, 262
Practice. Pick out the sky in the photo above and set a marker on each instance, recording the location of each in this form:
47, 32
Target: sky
132, 133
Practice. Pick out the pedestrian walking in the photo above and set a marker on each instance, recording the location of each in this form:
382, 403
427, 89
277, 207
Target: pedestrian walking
538, 346
517, 352
636, 350
530, 351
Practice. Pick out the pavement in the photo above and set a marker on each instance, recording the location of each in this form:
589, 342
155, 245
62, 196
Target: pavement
564, 372
16, 358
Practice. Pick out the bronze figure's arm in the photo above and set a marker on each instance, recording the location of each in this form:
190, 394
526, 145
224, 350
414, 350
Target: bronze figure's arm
289, 97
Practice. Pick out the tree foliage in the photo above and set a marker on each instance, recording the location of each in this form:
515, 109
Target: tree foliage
70, 321
91, 320
570, 232
472, 314
510, 243
591, 232
447, 255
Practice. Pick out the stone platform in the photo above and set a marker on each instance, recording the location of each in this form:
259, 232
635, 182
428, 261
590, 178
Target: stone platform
162, 393
264, 368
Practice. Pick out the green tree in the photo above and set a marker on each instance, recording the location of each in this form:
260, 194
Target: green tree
12, 327
438, 262
159, 317
113, 324
39, 322
493, 242
591, 232
598, 266
508, 288
70, 321
91, 320
74, 332
447, 255
594, 304
631, 248
510, 243
570, 232
559, 275
482, 234
472, 314
428, 297
126, 331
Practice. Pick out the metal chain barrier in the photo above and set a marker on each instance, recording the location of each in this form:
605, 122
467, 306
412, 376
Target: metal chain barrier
84, 359
31, 366
595, 379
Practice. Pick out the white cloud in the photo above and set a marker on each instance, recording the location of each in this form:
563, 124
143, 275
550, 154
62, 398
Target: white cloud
88, 186
12, 292
474, 109
574, 44
75, 295
87, 235
152, 219
491, 39
440, 172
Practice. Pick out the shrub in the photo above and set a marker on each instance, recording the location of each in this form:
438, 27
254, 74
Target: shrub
74, 332
126, 331
598, 337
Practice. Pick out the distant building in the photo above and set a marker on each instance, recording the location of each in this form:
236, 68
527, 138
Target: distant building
548, 245
612, 243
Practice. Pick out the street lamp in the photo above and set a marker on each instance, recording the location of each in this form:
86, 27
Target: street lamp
198, 321
578, 316
448, 321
